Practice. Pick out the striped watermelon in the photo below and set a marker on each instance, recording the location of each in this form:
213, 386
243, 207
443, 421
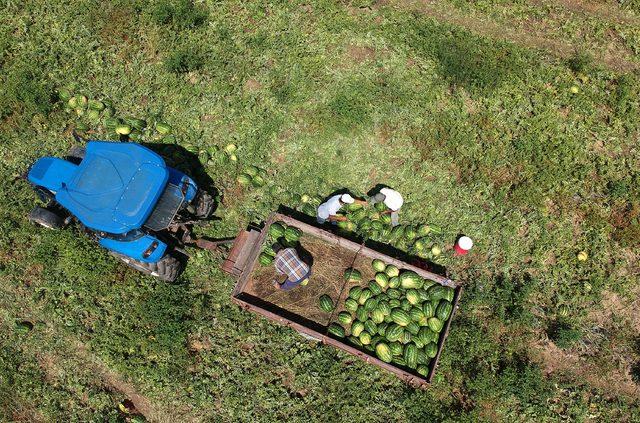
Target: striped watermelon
396, 348
345, 318
394, 302
431, 349
378, 265
336, 330
409, 279
412, 296
435, 324
362, 314
400, 316
371, 327
377, 316
351, 305
355, 341
385, 308
365, 338
356, 328
437, 292
444, 310
394, 282
352, 275
394, 332
370, 304
392, 271
326, 303
413, 328
355, 292
425, 335
406, 337
374, 287
365, 294
416, 314
384, 352
449, 293
382, 279
405, 305
394, 293
427, 309
411, 356
276, 229
423, 370
422, 357
382, 328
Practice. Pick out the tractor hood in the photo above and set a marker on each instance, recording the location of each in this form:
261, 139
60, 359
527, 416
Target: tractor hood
116, 186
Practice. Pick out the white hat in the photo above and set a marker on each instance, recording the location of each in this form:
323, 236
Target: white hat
392, 199
465, 243
346, 198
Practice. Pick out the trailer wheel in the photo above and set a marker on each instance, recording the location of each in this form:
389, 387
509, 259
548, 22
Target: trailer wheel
45, 218
204, 205
167, 269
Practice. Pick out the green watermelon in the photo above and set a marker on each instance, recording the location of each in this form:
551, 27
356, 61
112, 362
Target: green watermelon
258, 181
378, 265
394, 282
400, 316
424, 295
410, 234
336, 330
265, 259
111, 122
378, 226
449, 293
412, 296
418, 342
384, 352
122, 129
444, 310
370, 304
375, 340
396, 348
409, 279
365, 294
371, 327
163, 128
406, 337
355, 341
326, 303
277, 229
427, 309
431, 349
411, 355
380, 206
423, 230
394, 293
413, 328
243, 179
382, 328
425, 335
400, 361
356, 328
416, 314
435, 324
420, 244
355, 292
351, 305
251, 171
292, 234
394, 302
405, 304
308, 209
437, 292
352, 275
422, 370
362, 314
384, 308
365, 338
563, 310
377, 316
382, 279
422, 357
345, 318
374, 288
394, 332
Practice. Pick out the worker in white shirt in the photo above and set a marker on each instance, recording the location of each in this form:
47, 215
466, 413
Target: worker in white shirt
392, 199
328, 210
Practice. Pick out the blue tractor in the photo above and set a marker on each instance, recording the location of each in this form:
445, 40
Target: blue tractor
127, 198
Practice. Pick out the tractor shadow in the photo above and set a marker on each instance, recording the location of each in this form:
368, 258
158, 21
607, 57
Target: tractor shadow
381, 247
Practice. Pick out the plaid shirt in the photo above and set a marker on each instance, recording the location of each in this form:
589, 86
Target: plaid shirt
288, 263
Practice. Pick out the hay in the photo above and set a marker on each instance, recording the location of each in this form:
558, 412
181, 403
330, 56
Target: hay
329, 263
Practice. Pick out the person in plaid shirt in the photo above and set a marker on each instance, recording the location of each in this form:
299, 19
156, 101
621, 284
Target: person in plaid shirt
288, 263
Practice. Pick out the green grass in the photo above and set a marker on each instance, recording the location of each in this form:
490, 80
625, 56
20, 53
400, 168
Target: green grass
481, 137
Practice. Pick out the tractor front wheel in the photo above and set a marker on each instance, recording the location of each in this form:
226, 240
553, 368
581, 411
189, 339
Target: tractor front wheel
168, 268
46, 218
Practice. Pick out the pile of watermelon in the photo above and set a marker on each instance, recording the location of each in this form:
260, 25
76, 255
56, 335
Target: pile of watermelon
287, 236
254, 176
398, 316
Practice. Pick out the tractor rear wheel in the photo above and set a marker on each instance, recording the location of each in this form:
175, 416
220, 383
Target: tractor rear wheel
168, 268
204, 205
46, 218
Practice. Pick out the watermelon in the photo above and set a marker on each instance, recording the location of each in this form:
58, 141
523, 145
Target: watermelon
138, 124
400, 361
400, 317
425, 335
409, 279
111, 122
269, 250
396, 348
418, 342
380, 206
384, 308
412, 296
437, 292
308, 209
292, 234
345, 318
276, 229
258, 181
378, 226
122, 129
427, 309
251, 171
356, 328
394, 332
355, 292
365, 338
163, 128
355, 341
336, 330
422, 370
265, 259
377, 316
384, 352
406, 337
424, 295
410, 233
420, 244
326, 303
422, 357
394, 293
431, 349
365, 294
374, 288
423, 230
378, 265
382, 279
371, 327
563, 310
449, 293
368, 347
382, 328
435, 324
352, 275
413, 328
370, 304
394, 302
362, 314
411, 355
405, 305
394, 282
416, 314
351, 305
444, 310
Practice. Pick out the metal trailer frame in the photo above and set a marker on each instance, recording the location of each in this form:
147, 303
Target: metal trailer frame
242, 261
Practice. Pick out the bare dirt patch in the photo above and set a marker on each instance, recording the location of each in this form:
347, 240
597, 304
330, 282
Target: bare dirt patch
614, 307
607, 10
252, 85
360, 54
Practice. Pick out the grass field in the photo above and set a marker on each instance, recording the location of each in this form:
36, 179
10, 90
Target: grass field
528, 146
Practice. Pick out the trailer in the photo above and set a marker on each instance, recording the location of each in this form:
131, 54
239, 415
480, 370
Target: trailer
330, 255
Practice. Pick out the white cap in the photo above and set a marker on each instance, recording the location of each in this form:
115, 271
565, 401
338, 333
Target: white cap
346, 198
465, 243
392, 199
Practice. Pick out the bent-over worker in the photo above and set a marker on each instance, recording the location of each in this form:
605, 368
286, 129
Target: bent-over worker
328, 210
392, 199
287, 262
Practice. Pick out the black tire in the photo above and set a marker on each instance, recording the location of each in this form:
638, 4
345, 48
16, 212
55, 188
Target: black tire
46, 218
204, 205
76, 154
167, 269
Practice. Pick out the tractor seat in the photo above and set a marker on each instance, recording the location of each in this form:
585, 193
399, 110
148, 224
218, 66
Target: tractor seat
115, 187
